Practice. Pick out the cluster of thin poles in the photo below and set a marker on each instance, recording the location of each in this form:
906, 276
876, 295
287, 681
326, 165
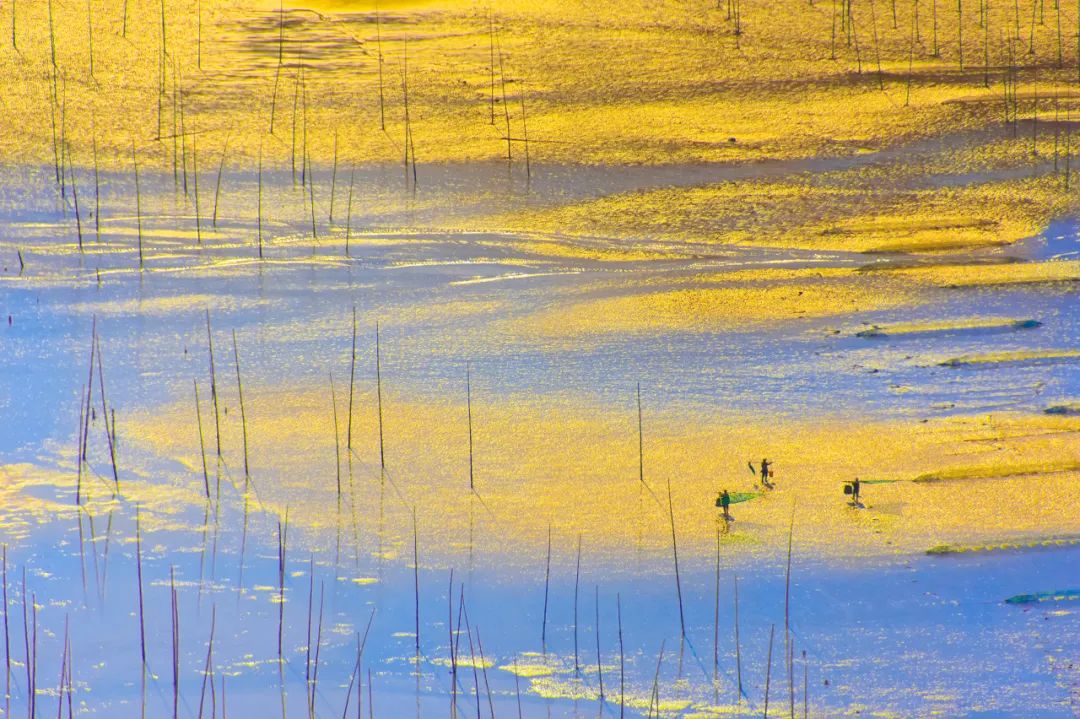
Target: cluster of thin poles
314, 641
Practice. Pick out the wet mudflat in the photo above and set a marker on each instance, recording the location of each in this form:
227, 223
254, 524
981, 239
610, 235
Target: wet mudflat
487, 339
386, 359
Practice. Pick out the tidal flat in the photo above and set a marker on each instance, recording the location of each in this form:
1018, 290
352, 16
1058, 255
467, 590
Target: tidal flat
387, 359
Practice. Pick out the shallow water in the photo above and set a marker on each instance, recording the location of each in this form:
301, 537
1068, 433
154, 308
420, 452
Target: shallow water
909, 635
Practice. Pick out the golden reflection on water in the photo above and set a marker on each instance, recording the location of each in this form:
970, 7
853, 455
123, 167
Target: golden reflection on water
574, 466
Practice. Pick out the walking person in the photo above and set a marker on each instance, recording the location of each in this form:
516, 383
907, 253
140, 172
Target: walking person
724, 502
766, 473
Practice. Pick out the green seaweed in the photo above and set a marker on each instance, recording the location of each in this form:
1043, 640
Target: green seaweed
1062, 595
944, 549
944, 327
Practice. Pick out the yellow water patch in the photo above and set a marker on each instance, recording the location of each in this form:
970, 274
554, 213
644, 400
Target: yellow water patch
530, 670
689, 88
360, 581
718, 302
463, 661
994, 358
574, 466
1062, 271
1000, 471
689, 91
969, 323
192, 303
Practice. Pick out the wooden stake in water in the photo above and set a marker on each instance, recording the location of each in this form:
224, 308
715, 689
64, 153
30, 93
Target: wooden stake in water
382, 107
716, 615
1068, 147
352, 383
675, 553
89, 398
26, 644
655, 697
183, 134
55, 146
32, 659
202, 443
787, 615
348, 211
517, 687
259, 208
75, 195
768, 670
577, 581
305, 174
468, 406
70, 682
142, 621
307, 650
90, 36
175, 645
208, 668
64, 158
83, 412
333, 177
525, 135
547, 585
195, 175
243, 415
274, 96
738, 646
407, 143
416, 585
622, 660
52, 35
138, 200
640, 439
283, 541
472, 653
337, 441
60, 685
97, 188
599, 657
491, 65
311, 193
220, 171
318, 650
452, 645
213, 385
483, 667
296, 106
378, 390
506, 108
105, 417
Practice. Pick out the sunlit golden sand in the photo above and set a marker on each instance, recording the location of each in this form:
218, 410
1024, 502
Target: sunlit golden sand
551, 462
554, 55
719, 301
